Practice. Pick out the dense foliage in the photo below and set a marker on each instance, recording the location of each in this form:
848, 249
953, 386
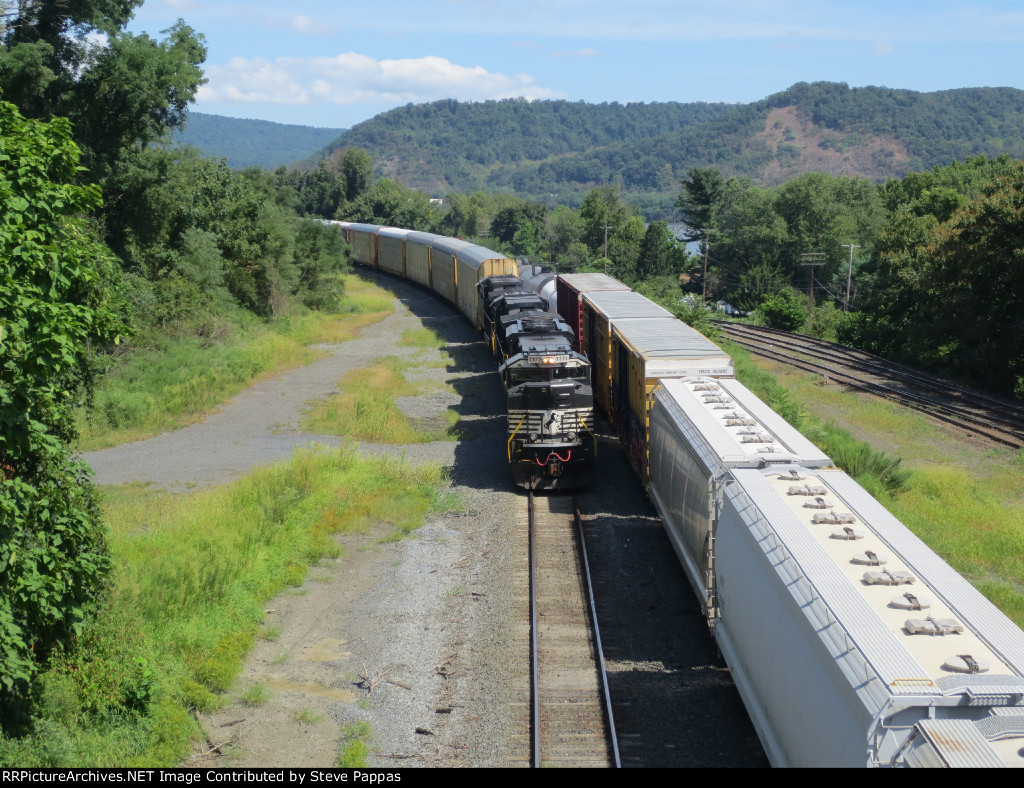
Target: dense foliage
138, 242
55, 298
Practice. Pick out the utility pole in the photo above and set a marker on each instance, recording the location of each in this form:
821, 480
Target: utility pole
849, 275
707, 246
812, 259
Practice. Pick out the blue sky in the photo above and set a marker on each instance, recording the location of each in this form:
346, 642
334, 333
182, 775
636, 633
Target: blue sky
334, 64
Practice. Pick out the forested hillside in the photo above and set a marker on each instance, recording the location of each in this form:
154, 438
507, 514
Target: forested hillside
554, 151
253, 143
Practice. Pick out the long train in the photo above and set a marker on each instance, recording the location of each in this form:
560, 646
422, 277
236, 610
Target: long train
850, 641
548, 391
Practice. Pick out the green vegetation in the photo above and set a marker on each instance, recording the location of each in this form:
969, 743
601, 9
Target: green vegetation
180, 378
565, 148
365, 408
308, 716
57, 295
255, 695
354, 746
192, 574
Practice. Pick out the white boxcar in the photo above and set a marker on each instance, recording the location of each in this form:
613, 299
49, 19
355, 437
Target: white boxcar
850, 641
700, 429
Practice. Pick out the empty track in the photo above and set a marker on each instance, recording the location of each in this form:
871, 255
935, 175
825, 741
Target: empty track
571, 719
993, 418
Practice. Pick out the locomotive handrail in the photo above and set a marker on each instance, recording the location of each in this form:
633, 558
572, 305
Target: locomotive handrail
512, 437
590, 432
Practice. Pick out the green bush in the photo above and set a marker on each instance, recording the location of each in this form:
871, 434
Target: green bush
784, 310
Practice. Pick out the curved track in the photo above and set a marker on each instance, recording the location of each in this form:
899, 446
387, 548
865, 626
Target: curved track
572, 724
998, 420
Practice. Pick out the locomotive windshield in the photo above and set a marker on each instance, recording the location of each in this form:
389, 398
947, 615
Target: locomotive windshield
520, 375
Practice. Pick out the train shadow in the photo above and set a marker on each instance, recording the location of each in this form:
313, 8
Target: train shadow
480, 454
674, 700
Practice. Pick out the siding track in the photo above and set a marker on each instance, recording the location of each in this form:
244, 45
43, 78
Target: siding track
998, 420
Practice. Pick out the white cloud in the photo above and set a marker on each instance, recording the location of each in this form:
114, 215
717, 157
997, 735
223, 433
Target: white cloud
882, 48
310, 27
352, 78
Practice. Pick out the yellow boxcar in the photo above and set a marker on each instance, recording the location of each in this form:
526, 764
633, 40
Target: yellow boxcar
644, 352
601, 311
474, 263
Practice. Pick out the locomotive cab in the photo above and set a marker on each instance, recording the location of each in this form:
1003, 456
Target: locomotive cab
550, 415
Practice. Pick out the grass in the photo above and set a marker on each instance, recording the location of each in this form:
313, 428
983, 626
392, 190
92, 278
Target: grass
354, 746
180, 379
271, 634
308, 716
365, 408
192, 576
255, 695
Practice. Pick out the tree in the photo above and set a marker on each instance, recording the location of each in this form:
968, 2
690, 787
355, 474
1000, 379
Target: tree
656, 251
356, 169
519, 226
700, 201
977, 285
73, 59
564, 229
56, 298
603, 213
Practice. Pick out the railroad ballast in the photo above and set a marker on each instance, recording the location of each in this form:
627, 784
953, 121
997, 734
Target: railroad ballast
850, 641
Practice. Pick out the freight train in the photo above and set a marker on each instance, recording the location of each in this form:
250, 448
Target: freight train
850, 641
550, 439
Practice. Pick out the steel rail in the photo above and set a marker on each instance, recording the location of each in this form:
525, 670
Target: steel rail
943, 412
997, 410
534, 650
605, 691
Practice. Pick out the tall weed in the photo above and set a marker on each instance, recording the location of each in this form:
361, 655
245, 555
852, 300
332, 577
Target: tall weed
192, 577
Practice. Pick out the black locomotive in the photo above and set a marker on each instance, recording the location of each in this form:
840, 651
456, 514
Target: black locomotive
547, 386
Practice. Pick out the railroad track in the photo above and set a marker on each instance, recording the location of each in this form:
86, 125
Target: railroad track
572, 723
998, 420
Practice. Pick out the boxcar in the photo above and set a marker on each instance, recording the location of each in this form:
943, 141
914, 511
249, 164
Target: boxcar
701, 428
442, 267
850, 641
601, 311
569, 289
362, 239
474, 263
417, 257
391, 250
